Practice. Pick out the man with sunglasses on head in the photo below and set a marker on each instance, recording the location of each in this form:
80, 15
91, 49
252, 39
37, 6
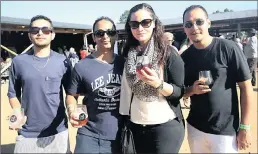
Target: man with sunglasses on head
213, 120
35, 85
98, 78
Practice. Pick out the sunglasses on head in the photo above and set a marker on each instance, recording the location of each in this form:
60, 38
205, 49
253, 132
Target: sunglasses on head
198, 22
146, 23
101, 33
45, 30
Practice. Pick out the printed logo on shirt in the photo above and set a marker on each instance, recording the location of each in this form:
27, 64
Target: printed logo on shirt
109, 91
108, 96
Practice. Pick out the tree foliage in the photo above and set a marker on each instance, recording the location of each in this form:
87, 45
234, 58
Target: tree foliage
225, 10
123, 17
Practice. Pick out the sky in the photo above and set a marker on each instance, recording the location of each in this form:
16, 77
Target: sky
86, 12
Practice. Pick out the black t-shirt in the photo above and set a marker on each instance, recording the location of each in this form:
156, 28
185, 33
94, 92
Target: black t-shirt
216, 112
100, 83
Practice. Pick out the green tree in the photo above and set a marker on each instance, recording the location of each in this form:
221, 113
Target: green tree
216, 12
123, 17
226, 10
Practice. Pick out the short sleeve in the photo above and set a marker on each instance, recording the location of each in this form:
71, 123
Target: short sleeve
14, 88
239, 64
67, 75
75, 84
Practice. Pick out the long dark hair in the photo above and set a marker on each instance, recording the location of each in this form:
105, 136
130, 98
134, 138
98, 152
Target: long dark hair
158, 32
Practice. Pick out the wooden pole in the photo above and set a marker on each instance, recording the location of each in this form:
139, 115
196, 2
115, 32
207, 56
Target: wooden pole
28, 48
7, 66
85, 38
12, 52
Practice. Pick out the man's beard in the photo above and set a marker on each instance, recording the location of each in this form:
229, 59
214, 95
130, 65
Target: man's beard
196, 41
41, 46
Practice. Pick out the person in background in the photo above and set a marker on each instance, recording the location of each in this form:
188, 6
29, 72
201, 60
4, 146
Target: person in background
244, 42
222, 36
185, 45
176, 44
120, 47
169, 37
152, 83
73, 57
66, 51
60, 50
35, 85
7, 60
238, 42
91, 49
250, 51
84, 52
213, 122
98, 78
233, 38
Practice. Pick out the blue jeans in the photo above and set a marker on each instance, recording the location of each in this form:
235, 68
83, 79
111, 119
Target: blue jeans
88, 144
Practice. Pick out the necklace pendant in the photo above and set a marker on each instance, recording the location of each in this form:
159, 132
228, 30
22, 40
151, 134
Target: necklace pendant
46, 78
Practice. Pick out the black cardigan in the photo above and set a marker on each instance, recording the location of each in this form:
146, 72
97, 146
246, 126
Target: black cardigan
174, 74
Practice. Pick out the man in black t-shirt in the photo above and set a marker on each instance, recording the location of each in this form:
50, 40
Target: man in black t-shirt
98, 78
213, 121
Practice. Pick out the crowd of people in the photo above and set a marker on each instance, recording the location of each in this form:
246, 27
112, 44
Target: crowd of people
5, 62
145, 82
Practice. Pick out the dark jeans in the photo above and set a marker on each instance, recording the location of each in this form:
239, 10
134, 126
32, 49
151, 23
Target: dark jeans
252, 63
88, 144
160, 138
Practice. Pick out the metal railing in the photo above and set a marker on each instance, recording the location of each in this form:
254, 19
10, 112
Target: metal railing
14, 53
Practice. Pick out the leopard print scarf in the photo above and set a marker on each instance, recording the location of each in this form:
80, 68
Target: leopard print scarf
141, 90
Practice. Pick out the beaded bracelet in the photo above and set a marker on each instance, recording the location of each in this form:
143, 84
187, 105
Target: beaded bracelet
245, 127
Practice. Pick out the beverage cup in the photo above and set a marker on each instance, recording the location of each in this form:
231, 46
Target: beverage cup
206, 77
17, 119
142, 61
80, 115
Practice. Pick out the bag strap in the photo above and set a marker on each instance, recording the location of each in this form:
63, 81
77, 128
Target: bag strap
131, 104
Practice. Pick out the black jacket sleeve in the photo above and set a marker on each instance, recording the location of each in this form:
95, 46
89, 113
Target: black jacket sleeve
174, 74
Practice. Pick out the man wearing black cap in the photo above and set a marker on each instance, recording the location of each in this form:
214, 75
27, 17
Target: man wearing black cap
250, 51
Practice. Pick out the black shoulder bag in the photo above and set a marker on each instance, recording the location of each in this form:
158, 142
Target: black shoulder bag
127, 141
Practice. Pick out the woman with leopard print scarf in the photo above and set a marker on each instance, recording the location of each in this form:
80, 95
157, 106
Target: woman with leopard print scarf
152, 85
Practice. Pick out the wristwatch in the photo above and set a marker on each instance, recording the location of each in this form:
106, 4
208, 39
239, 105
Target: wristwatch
160, 87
